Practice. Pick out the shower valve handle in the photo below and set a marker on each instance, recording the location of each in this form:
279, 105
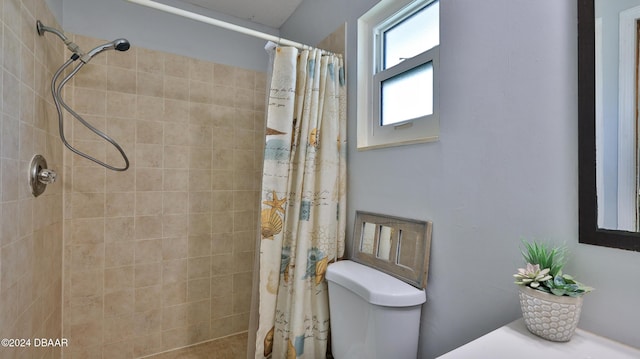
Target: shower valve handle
47, 176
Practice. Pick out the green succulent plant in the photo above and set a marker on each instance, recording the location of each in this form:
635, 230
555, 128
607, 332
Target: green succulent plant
532, 276
545, 257
564, 284
544, 271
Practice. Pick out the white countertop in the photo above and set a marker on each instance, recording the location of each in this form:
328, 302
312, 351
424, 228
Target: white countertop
515, 341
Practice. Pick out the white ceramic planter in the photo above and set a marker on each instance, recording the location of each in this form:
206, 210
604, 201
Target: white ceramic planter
550, 316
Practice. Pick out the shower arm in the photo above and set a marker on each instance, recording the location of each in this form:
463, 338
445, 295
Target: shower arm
41, 28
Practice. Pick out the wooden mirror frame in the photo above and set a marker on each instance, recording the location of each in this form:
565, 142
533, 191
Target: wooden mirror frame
589, 232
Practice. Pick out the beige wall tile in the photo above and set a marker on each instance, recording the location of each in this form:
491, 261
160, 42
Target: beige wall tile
200, 136
173, 294
87, 256
199, 267
118, 254
176, 110
174, 270
119, 303
148, 179
174, 316
222, 286
224, 95
148, 321
150, 108
200, 202
176, 156
221, 307
176, 65
200, 157
92, 75
117, 329
148, 203
245, 241
199, 245
87, 205
222, 243
121, 181
200, 70
175, 134
157, 256
150, 61
86, 284
244, 98
200, 91
198, 289
86, 230
148, 274
175, 225
176, 179
119, 350
91, 311
245, 79
223, 201
118, 279
120, 204
222, 264
176, 88
174, 248
122, 80
119, 229
175, 202
90, 101
224, 116
149, 132
224, 75
150, 84
147, 344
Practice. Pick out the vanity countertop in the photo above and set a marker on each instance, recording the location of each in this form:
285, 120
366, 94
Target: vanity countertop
515, 341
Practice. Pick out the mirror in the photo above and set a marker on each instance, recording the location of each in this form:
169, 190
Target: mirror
598, 217
397, 246
616, 66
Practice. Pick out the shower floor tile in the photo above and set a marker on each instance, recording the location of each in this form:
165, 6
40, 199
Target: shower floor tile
231, 347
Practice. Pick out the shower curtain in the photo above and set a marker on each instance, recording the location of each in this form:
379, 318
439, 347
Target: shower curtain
302, 224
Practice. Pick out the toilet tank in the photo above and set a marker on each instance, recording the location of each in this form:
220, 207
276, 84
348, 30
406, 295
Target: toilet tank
373, 315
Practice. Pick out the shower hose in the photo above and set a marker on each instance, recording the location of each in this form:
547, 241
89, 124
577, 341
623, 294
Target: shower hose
56, 90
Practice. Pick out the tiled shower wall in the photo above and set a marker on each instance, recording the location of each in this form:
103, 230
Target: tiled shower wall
30, 228
160, 256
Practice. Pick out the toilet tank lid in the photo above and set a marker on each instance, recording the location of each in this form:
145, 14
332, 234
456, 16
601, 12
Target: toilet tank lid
374, 286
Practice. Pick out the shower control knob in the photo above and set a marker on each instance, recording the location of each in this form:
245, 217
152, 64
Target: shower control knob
47, 176
39, 175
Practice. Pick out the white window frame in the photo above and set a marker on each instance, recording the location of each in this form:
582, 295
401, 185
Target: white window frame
371, 134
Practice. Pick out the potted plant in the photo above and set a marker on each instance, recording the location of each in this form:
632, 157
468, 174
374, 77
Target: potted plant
550, 300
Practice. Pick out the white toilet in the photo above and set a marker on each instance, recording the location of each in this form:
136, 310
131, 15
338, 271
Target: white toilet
373, 315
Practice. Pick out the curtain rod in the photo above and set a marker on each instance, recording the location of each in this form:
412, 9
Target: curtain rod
219, 23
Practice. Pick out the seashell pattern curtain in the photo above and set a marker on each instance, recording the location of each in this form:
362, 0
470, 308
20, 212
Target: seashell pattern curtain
303, 202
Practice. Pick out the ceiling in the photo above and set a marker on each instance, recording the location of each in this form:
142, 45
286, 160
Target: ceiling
272, 13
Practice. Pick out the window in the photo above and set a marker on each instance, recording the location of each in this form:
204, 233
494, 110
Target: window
398, 70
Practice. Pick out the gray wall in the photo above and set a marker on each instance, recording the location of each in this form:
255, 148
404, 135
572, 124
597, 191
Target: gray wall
56, 9
505, 167
156, 30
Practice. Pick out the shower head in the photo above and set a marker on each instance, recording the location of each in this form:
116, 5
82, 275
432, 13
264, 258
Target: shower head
117, 44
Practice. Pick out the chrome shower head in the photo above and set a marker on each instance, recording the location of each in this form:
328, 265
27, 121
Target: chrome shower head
117, 44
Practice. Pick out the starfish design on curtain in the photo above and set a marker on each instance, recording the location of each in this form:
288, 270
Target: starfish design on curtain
276, 203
